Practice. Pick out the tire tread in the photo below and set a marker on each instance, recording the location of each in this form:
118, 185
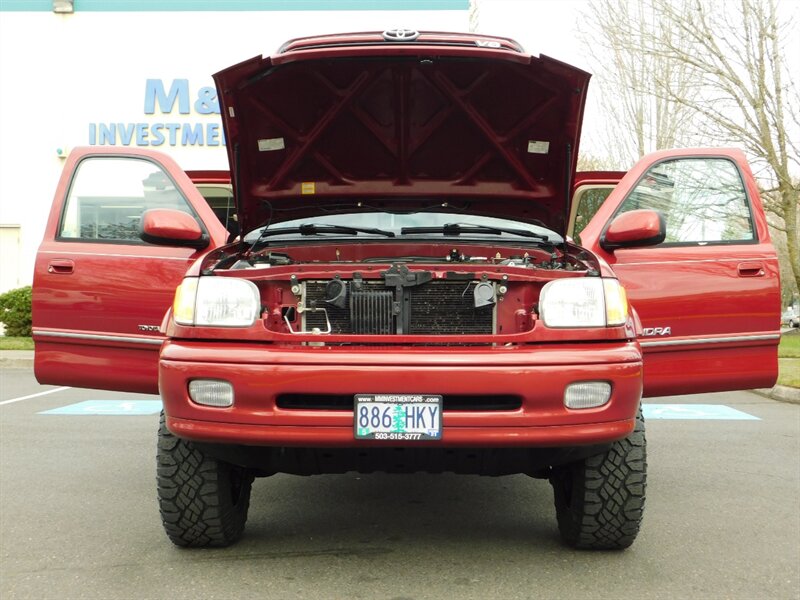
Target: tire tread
194, 495
607, 495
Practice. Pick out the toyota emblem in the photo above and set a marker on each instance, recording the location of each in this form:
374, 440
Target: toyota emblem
400, 35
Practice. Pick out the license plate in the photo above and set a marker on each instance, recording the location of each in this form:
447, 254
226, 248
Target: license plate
398, 417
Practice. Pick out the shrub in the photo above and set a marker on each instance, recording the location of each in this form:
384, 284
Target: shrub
15, 312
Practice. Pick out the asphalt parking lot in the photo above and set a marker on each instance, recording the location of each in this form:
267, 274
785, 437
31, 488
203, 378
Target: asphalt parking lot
78, 516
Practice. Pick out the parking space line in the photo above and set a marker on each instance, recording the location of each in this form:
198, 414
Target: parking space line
28, 397
108, 407
695, 412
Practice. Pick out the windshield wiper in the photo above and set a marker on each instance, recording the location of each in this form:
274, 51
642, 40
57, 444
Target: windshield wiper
316, 229
458, 229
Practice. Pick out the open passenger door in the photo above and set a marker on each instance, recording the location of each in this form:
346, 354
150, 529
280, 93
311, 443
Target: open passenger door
100, 292
708, 296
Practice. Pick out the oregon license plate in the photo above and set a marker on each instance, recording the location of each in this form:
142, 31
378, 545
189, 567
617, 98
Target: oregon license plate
398, 417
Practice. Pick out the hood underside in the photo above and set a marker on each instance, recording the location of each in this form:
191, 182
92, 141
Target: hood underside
358, 123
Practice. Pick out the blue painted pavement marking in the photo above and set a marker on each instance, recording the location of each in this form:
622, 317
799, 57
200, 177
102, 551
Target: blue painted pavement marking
651, 411
695, 411
108, 407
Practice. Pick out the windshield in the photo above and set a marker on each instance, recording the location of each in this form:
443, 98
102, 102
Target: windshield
394, 222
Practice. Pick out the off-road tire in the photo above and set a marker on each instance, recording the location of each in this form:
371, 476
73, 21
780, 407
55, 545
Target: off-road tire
600, 500
203, 501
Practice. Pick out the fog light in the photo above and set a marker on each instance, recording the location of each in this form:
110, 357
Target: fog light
587, 394
211, 392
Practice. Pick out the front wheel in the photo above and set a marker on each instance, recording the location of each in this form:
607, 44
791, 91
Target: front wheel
203, 501
600, 500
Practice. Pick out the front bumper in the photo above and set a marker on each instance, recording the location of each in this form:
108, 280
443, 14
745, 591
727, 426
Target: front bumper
537, 374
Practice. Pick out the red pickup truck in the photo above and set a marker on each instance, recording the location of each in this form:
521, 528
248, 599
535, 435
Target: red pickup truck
395, 287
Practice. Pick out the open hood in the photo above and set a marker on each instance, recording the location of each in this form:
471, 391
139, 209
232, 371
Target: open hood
368, 122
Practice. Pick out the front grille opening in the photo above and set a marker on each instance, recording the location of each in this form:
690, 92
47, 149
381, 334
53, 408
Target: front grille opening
440, 307
451, 402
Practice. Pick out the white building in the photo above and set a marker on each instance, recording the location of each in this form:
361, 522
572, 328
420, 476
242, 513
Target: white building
138, 73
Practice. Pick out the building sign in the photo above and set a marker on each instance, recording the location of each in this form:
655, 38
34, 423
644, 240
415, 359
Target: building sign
160, 99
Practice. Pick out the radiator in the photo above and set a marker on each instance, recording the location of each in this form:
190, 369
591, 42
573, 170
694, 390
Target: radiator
438, 307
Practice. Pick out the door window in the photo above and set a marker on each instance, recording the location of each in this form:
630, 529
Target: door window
108, 196
703, 200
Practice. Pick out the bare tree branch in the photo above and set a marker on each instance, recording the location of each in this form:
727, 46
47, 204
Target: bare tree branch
709, 69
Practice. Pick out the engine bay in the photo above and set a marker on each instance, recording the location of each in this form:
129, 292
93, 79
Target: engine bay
394, 288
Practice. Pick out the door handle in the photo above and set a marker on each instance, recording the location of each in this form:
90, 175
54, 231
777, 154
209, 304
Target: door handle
61, 266
751, 269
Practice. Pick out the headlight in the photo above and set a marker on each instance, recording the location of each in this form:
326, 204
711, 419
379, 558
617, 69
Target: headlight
583, 302
216, 301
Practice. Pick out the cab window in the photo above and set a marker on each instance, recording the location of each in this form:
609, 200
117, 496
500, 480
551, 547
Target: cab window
220, 198
588, 199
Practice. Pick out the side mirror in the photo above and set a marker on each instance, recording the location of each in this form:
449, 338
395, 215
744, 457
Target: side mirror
634, 229
170, 227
